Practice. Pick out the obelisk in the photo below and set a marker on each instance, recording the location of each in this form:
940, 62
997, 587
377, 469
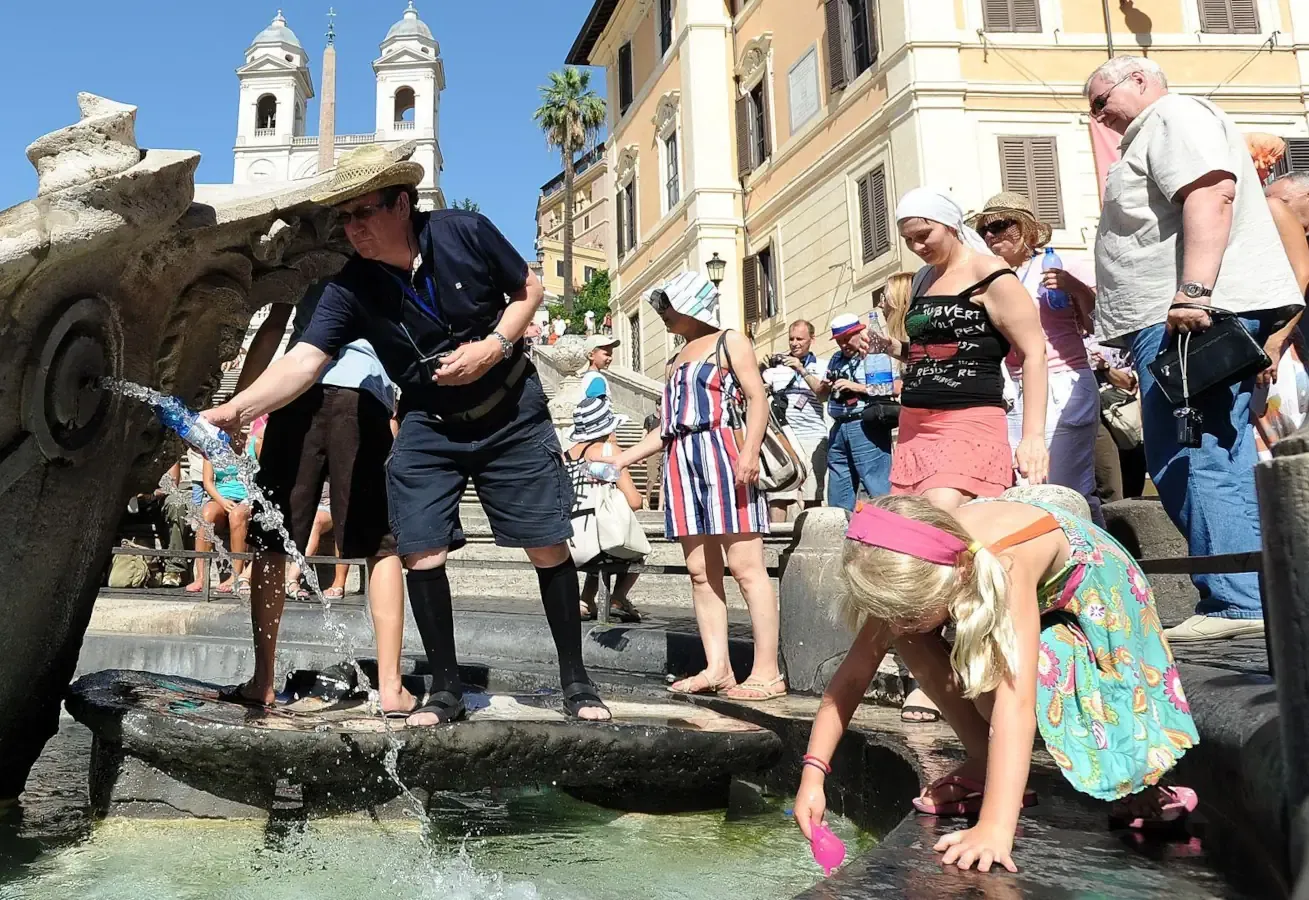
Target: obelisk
327, 107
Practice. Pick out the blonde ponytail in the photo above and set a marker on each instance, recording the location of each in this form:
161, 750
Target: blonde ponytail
985, 646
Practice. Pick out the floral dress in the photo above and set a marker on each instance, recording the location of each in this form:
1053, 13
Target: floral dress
1109, 702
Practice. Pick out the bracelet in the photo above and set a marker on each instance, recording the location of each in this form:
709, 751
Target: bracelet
811, 760
506, 345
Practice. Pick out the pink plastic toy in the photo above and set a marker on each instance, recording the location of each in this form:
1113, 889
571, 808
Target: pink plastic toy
829, 850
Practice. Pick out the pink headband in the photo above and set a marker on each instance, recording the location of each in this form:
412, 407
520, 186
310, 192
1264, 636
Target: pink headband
879, 527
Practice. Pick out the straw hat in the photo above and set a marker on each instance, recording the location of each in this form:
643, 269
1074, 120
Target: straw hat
1011, 204
370, 168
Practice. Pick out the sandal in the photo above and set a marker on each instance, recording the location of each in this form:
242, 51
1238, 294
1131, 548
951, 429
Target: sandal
706, 685
754, 691
235, 693
968, 805
225, 588
1175, 805
626, 615
926, 714
394, 714
334, 593
581, 695
447, 706
290, 589
587, 612
243, 586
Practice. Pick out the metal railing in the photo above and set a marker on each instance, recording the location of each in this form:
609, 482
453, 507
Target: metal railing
212, 555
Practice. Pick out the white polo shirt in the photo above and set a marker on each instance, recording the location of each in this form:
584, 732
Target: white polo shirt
1138, 250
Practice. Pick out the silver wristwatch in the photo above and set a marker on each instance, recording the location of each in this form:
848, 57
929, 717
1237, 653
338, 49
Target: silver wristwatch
506, 345
1194, 290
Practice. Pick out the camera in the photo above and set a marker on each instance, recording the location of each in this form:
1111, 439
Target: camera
429, 364
777, 359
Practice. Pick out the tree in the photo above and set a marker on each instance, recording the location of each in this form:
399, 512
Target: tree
571, 115
469, 204
593, 297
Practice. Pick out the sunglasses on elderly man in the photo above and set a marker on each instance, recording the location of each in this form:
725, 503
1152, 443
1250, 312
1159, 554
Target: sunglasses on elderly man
360, 213
997, 227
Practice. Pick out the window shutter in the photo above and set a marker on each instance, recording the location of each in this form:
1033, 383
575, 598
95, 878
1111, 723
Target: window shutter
750, 289
881, 213
866, 225
1025, 15
1030, 166
836, 68
1297, 154
997, 15
765, 139
625, 78
871, 18
1229, 16
744, 151
621, 221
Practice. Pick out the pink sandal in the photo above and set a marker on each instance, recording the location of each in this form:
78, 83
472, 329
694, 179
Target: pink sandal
1177, 805
968, 805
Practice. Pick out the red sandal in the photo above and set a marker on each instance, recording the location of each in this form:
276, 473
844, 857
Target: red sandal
968, 805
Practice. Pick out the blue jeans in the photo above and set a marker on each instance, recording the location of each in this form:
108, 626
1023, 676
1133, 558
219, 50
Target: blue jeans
857, 455
1208, 491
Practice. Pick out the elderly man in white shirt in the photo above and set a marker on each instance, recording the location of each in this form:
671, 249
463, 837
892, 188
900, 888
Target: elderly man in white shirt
1185, 223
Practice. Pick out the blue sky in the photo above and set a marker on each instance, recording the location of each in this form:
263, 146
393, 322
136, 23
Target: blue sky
176, 61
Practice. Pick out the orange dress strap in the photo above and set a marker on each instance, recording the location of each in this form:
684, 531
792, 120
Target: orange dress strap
1044, 525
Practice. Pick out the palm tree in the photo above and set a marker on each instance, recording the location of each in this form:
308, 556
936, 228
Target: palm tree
571, 115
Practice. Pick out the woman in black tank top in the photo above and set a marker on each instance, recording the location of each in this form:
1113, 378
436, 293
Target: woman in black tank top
967, 310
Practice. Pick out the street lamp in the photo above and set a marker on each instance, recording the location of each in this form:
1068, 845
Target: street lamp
717, 269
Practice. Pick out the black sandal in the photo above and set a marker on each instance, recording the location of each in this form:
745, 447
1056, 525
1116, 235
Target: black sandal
581, 695
232, 694
926, 715
447, 706
625, 615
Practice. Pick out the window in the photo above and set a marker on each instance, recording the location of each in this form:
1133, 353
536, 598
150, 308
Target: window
634, 341
1030, 166
625, 88
404, 105
586, 222
665, 25
588, 272
874, 216
1229, 16
674, 181
851, 40
559, 268
752, 139
1296, 158
626, 218
1011, 15
759, 287
266, 113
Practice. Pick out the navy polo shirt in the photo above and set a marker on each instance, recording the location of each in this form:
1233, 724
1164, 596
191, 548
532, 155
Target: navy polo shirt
457, 295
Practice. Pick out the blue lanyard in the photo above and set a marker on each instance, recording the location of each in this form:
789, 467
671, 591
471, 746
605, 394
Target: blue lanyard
413, 295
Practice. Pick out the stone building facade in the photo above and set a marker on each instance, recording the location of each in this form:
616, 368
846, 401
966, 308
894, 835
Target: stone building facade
779, 134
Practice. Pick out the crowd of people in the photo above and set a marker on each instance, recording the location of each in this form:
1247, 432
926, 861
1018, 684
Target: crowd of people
986, 368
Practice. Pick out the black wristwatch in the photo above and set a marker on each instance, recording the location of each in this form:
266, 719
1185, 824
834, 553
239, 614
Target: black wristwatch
1194, 290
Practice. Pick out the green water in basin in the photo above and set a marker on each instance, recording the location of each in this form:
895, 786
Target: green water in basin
516, 845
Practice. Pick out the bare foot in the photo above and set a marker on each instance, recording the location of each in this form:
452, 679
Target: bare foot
396, 700
195, 587
251, 694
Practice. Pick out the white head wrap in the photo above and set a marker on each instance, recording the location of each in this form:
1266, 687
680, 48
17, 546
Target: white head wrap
938, 206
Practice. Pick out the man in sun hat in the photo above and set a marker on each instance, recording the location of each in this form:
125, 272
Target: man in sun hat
858, 452
444, 300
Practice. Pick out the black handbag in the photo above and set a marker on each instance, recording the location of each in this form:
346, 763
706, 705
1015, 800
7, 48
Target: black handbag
1222, 355
881, 413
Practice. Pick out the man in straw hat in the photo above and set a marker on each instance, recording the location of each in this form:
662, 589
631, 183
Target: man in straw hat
444, 300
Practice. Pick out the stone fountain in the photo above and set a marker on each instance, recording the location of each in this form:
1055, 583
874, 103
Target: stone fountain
120, 266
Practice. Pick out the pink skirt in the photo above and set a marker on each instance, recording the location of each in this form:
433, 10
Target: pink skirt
964, 449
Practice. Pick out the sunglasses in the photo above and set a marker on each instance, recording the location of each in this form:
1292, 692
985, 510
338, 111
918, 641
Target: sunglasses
659, 300
1098, 103
999, 226
360, 213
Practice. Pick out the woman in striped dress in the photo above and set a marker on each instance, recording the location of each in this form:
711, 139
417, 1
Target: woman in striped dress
712, 504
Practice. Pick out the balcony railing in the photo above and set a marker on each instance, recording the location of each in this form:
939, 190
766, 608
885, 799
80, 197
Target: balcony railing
402, 125
265, 132
311, 140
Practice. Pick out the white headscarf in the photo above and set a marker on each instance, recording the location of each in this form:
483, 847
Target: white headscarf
938, 206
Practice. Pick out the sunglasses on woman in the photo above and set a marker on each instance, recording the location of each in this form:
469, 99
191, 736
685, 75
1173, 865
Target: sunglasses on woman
999, 226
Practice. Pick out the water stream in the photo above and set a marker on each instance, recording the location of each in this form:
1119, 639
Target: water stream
271, 519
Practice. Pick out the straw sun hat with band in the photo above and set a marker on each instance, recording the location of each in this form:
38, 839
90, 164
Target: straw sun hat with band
370, 168
1013, 206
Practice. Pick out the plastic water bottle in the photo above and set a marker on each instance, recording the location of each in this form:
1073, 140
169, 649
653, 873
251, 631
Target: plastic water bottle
1054, 297
200, 433
878, 373
828, 849
602, 471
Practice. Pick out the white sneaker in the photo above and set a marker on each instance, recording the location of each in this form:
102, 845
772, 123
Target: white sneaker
1213, 628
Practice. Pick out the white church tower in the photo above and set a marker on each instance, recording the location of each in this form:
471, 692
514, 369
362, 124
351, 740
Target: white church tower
410, 78
276, 85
